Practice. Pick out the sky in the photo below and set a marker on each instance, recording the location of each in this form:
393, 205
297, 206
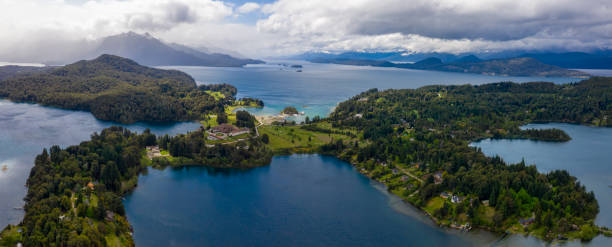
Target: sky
42, 28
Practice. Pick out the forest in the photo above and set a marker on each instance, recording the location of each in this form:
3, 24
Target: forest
415, 141
118, 89
427, 131
74, 194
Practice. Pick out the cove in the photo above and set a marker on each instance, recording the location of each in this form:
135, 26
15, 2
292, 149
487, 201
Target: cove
587, 156
320, 87
25, 129
298, 200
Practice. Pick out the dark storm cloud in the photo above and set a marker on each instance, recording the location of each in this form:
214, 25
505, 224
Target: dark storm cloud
488, 20
167, 16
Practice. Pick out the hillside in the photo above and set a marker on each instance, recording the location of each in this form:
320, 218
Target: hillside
471, 64
116, 89
416, 141
148, 50
13, 70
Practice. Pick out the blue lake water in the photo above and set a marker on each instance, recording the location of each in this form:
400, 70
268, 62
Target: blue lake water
587, 156
297, 200
25, 129
319, 87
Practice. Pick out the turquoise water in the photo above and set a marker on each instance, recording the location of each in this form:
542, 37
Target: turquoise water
175, 207
319, 87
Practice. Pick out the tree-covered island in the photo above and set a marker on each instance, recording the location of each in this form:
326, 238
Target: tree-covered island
415, 141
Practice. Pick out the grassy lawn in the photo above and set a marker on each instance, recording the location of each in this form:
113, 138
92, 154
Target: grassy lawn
434, 204
486, 214
10, 237
209, 121
293, 137
112, 240
93, 200
217, 95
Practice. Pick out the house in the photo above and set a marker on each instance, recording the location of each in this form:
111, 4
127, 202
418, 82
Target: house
90, 185
456, 199
110, 216
485, 202
438, 177
404, 178
227, 129
223, 128
445, 194
526, 222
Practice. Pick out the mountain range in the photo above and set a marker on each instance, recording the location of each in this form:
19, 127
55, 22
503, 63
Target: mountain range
601, 59
523, 66
148, 50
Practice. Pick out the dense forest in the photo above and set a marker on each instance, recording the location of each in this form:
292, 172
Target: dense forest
118, 89
428, 130
416, 141
74, 194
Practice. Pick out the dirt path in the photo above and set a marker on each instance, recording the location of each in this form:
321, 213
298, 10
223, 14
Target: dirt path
409, 174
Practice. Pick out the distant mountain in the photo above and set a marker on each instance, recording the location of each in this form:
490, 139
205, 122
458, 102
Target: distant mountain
381, 56
569, 60
355, 62
148, 50
575, 60
471, 64
468, 59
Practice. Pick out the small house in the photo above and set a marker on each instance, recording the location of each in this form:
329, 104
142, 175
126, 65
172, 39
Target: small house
526, 222
456, 199
445, 194
438, 177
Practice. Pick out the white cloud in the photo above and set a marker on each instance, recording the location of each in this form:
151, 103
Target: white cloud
441, 25
248, 8
37, 29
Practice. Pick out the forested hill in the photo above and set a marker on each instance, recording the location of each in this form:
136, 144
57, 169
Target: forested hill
504, 67
427, 131
118, 89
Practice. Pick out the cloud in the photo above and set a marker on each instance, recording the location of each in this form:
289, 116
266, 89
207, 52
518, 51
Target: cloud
248, 8
460, 24
35, 30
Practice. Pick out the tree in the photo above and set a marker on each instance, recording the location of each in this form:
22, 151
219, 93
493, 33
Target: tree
221, 118
265, 138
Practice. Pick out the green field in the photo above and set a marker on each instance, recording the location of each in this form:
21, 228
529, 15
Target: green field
296, 138
434, 204
217, 95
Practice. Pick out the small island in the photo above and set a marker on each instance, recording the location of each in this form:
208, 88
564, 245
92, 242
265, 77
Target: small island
290, 110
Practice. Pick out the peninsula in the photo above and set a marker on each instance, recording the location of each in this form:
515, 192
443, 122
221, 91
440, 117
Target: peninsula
415, 141
118, 89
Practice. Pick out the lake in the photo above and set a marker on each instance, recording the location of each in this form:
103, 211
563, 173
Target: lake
587, 156
319, 87
298, 200
306, 198
25, 129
